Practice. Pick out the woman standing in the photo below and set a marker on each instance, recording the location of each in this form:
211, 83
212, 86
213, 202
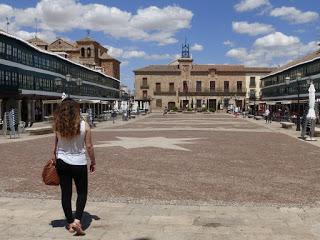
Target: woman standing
73, 138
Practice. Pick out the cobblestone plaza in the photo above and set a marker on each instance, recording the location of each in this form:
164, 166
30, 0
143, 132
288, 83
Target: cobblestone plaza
183, 176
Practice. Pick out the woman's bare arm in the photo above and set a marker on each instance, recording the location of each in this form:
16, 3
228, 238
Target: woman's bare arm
89, 147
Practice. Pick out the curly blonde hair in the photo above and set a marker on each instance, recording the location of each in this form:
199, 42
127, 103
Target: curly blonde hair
67, 119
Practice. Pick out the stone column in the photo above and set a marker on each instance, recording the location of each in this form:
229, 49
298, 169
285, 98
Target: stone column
51, 105
19, 110
0, 109
33, 110
42, 111
29, 105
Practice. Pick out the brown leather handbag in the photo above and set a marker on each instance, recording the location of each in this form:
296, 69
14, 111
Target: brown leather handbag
50, 175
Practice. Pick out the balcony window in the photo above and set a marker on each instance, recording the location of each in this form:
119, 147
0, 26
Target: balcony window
144, 81
158, 87
198, 86
171, 87
226, 86
239, 86
212, 86
253, 82
2, 47
145, 94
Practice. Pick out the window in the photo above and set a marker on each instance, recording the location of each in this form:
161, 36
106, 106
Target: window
185, 86
212, 86
144, 82
239, 86
158, 87
226, 86
252, 93
198, 86
9, 49
159, 102
14, 79
171, 87
88, 52
2, 77
8, 78
82, 52
252, 81
15, 52
145, 94
2, 47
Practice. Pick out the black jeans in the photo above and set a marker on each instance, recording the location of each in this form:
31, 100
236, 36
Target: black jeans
79, 174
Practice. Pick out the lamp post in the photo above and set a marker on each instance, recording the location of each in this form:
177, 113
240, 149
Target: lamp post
59, 83
253, 97
298, 112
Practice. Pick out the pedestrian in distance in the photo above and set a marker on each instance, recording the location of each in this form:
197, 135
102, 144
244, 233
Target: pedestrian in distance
270, 116
72, 141
165, 111
266, 114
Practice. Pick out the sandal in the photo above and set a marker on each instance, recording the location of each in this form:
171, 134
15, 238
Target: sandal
78, 229
69, 228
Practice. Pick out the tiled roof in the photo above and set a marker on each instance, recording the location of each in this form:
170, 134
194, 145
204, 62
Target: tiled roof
307, 58
205, 68
106, 56
37, 41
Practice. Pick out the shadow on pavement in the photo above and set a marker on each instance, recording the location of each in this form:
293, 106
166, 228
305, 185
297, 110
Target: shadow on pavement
85, 222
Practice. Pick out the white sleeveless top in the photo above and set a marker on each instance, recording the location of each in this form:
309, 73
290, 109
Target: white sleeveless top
73, 151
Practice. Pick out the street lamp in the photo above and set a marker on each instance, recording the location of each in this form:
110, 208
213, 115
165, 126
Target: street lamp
298, 112
253, 97
59, 83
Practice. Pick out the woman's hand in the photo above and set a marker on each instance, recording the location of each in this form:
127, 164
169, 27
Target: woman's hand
93, 167
54, 158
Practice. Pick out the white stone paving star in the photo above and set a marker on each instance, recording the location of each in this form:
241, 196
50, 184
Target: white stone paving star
158, 142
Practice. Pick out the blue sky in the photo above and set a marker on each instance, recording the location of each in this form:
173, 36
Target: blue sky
141, 32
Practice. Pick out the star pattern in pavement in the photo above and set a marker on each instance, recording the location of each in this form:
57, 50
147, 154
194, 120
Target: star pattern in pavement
157, 142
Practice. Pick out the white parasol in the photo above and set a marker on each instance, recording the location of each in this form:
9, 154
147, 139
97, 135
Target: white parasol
312, 99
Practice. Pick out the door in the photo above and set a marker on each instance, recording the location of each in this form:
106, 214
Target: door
212, 104
171, 105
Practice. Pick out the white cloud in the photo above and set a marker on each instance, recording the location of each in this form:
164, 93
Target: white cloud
271, 50
196, 47
248, 5
147, 24
134, 53
228, 43
252, 29
294, 15
46, 35
277, 39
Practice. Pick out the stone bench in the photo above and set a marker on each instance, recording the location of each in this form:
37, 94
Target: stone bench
317, 132
286, 124
258, 117
39, 130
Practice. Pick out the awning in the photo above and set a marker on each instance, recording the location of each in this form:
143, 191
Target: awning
88, 101
52, 101
286, 102
271, 103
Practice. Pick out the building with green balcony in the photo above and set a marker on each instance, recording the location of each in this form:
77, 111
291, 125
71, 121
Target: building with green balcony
31, 77
288, 85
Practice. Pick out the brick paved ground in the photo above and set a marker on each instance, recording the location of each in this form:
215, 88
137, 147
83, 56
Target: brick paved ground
224, 164
227, 179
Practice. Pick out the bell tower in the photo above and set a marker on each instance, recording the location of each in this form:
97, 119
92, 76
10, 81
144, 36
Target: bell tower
185, 53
